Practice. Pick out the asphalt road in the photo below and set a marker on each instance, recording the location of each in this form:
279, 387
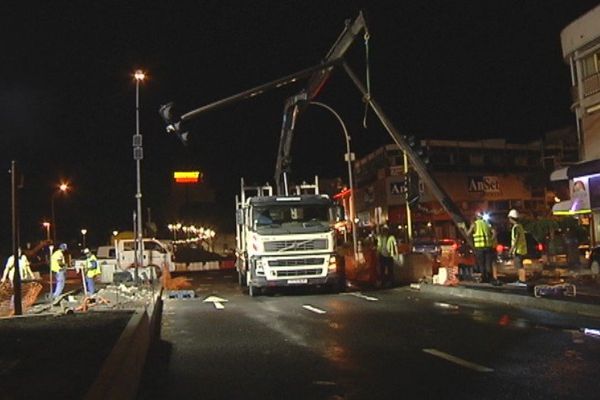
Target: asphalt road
386, 344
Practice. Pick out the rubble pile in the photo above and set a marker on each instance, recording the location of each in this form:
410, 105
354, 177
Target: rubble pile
126, 296
29, 294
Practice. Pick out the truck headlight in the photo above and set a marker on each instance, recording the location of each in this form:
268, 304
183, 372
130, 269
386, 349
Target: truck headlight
332, 267
259, 267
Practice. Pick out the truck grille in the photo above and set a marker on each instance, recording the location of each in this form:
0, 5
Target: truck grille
300, 272
296, 262
296, 245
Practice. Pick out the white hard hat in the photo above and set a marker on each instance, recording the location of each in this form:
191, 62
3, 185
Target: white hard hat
86, 251
514, 214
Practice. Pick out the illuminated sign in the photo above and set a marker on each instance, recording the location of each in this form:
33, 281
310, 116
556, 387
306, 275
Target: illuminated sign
187, 176
486, 184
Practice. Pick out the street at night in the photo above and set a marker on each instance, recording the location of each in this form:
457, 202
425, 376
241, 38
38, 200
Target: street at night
385, 344
338, 200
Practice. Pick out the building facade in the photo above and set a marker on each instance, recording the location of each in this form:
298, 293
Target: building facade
487, 175
580, 42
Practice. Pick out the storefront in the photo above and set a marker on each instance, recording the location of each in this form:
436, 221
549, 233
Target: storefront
584, 189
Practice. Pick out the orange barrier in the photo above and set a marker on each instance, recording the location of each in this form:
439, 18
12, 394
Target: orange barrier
366, 270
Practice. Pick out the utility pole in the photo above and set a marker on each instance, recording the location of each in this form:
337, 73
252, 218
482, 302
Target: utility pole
138, 155
15, 243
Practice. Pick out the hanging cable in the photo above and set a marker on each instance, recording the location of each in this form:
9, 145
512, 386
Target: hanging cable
367, 96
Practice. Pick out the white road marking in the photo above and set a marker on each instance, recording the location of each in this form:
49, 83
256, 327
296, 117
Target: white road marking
314, 309
216, 301
459, 361
446, 305
363, 296
324, 383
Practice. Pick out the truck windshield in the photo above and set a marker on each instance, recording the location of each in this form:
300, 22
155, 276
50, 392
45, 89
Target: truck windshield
290, 216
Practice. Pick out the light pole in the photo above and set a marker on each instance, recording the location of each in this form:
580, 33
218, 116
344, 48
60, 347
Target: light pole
83, 233
138, 155
46, 226
349, 157
62, 188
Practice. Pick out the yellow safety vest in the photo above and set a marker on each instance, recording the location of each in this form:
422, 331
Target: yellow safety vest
57, 261
91, 266
392, 246
517, 239
482, 237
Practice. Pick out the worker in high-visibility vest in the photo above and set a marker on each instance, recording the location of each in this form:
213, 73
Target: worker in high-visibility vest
58, 265
91, 270
518, 244
387, 250
484, 238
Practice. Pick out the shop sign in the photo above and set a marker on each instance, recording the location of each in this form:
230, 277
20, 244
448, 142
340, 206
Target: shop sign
485, 184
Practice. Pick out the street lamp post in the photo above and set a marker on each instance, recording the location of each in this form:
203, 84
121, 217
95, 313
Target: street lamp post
138, 155
83, 233
349, 157
62, 188
46, 226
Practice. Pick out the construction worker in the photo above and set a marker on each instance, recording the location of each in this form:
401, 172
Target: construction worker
58, 265
518, 244
91, 270
387, 249
392, 250
24, 268
484, 237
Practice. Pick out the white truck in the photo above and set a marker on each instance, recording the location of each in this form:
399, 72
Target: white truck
121, 258
285, 240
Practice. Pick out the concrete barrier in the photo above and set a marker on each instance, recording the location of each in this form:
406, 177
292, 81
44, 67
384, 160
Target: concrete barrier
120, 375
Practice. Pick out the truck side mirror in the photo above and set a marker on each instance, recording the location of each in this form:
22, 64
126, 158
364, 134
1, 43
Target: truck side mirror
239, 217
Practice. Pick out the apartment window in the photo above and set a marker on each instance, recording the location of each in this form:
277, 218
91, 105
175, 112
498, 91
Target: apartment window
520, 161
591, 65
476, 159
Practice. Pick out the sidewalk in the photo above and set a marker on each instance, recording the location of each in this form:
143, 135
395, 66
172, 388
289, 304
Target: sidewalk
585, 300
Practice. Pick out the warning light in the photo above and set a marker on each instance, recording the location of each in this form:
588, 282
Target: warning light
187, 176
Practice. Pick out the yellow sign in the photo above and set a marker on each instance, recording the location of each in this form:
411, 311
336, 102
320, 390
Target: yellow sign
187, 176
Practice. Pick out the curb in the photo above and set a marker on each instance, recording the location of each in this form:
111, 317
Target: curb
120, 375
519, 301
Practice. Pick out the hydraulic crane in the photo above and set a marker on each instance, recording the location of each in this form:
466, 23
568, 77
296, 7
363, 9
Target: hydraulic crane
294, 105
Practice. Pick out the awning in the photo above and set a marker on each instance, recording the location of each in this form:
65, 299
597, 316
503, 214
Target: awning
584, 168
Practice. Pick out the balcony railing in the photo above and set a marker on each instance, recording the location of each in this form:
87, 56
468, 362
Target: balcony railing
591, 85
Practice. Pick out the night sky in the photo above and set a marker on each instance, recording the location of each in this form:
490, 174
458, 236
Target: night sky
439, 69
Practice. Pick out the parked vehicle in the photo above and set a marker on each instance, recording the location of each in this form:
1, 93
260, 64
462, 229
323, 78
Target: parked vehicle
426, 245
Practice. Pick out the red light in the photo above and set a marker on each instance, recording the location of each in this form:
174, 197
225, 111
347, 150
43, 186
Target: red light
540, 247
499, 248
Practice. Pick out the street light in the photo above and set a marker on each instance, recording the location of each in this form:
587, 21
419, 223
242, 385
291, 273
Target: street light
46, 226
349, 157
62, 188
138, 155
83, 233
